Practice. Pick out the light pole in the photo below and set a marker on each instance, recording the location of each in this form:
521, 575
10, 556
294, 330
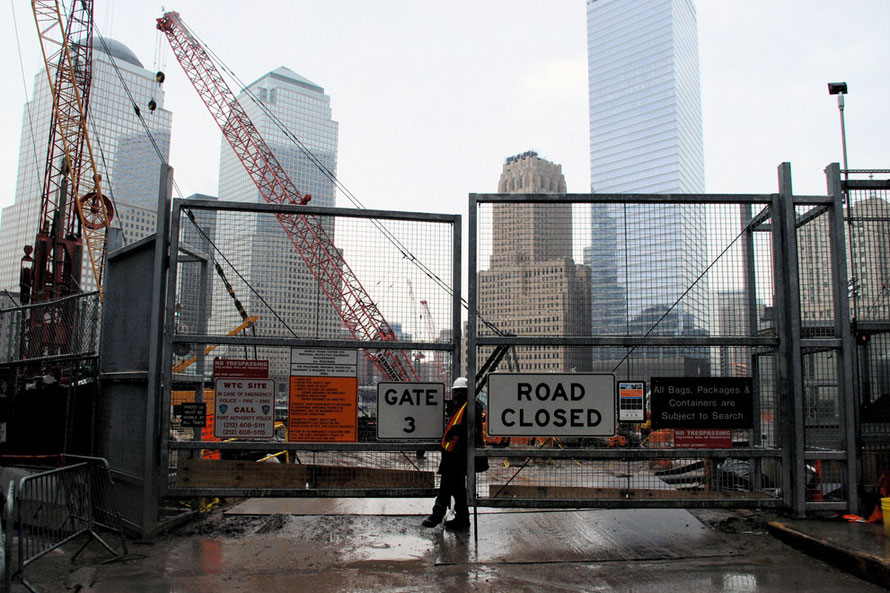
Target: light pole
840, 89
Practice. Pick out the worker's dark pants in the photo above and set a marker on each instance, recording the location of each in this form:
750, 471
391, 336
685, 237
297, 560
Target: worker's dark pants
452, 485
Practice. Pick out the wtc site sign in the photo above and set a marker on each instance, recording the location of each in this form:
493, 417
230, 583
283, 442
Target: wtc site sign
703, 402
545, 405
244, 408
410, 411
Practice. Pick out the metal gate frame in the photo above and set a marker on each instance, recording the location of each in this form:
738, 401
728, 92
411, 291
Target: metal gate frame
778, 217
168, 339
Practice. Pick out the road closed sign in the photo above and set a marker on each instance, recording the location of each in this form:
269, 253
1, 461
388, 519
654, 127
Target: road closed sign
545, 405
410, 411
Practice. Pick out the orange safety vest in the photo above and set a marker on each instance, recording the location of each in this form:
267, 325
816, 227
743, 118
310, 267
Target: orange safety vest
450, 442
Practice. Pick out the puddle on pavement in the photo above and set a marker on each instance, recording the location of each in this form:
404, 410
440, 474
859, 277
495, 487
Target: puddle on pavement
395, 548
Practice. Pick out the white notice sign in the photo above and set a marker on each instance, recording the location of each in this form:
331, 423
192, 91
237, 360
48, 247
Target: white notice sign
244, 408
323, 362
410, 411
551, 405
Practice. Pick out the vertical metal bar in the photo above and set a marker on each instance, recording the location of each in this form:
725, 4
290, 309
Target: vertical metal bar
203, 318
840, 279
471, 348
792, 350
158, 376
749, 280
171, 239
783, 356
457, 292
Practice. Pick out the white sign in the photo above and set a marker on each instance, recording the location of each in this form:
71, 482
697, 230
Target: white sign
323, 362
570, 405
410, 411
245, 408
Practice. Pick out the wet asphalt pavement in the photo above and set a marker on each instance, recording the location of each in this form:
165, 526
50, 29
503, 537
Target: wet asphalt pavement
327, 546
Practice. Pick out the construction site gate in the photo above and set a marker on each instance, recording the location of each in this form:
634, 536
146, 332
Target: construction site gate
665, 350
277, 352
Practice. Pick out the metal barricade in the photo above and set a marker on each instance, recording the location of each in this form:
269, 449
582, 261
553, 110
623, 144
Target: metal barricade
51, 508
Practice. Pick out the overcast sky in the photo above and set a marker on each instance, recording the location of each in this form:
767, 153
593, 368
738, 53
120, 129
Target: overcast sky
432, 96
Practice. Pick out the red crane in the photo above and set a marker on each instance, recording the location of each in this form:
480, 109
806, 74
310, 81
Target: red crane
68, 214
315, 246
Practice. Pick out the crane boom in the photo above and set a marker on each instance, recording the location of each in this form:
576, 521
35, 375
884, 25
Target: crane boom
341, 286
431, 328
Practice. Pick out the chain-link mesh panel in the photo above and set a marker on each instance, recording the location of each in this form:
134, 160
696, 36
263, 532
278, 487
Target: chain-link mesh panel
244, 291
814, 265
867, 215
868, 240
397, 264
549, 481
67, 327
622, 269
659, 290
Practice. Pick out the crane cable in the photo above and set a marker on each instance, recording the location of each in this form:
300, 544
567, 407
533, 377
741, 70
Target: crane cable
163, 160
405, 251
25, 88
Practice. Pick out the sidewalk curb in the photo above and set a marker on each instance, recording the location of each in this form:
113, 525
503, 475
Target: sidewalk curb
865, 566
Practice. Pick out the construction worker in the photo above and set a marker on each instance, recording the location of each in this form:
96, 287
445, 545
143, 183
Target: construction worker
453, 467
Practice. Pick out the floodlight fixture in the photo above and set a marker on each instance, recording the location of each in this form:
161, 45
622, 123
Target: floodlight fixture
840, 89
837, 88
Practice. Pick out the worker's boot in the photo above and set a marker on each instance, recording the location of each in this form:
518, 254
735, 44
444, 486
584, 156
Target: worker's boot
435, 518
459, 522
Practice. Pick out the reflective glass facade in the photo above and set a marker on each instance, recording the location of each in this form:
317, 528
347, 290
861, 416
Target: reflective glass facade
274, 268
126, 159
646, 137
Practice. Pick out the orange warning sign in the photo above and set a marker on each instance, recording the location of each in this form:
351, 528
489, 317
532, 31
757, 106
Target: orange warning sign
323, 410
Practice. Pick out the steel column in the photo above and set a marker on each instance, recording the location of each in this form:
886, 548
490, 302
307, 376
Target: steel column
157, 417
840, 279
788, 312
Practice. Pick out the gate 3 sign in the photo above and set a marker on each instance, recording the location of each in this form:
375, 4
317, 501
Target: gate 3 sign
410, 411
704, 402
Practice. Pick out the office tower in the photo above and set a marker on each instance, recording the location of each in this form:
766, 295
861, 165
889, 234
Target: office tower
646, 137
284, 292
194, 297
125, 155
533, 286
645, 97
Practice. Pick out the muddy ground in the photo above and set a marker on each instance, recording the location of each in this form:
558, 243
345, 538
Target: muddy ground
726, 551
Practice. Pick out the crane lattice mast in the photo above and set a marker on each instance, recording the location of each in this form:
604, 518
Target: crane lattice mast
73, 209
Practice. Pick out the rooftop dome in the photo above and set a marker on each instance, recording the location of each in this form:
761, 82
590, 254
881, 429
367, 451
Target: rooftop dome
116, 50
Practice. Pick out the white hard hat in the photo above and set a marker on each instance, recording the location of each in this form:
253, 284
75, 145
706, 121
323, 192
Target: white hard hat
460, 383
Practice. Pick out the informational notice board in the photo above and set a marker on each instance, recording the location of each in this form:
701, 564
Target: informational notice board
241, 367
718, 438
244, 408
323, 396
631, 402
702, 402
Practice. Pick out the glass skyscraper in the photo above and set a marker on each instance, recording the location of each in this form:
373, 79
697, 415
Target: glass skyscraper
646, 137
126, 158
260, 249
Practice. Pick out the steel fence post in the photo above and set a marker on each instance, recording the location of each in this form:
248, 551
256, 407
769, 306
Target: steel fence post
840, 278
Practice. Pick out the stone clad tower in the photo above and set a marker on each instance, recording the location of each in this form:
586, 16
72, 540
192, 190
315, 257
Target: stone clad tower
533, 287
